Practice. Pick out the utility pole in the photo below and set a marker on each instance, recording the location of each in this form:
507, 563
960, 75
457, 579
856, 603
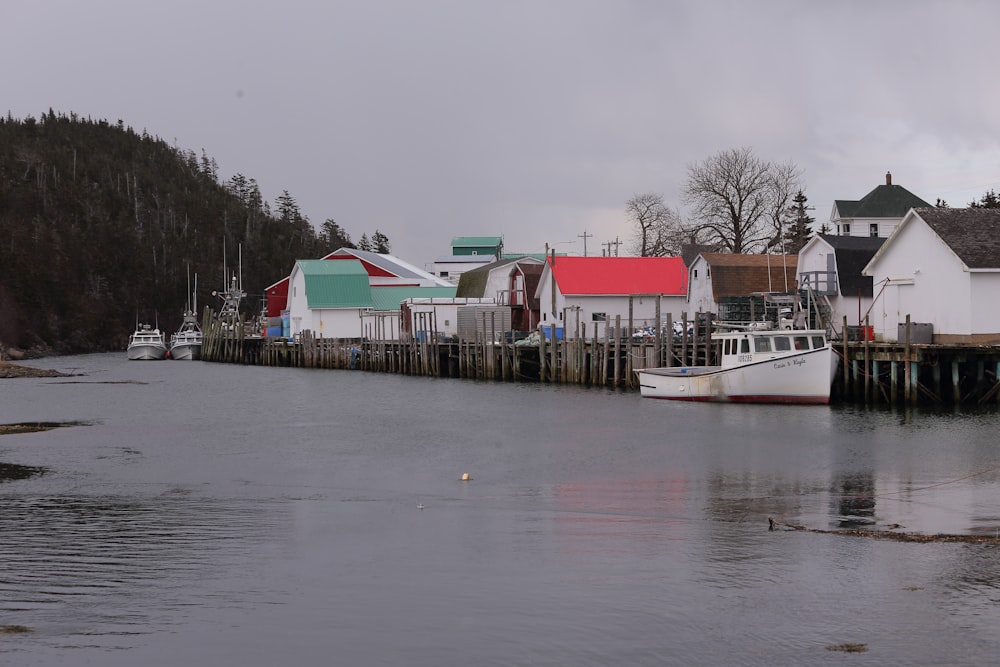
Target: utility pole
584, 236
617, 242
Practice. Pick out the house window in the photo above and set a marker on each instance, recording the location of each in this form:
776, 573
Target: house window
873, 229
295, 291
846, 229
708, 272
599, 317
696, 273
443, 274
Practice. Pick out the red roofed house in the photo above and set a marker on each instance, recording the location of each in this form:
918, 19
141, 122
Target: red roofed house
594, 290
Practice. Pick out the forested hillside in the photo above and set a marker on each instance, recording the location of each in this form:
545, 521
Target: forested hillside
101, 226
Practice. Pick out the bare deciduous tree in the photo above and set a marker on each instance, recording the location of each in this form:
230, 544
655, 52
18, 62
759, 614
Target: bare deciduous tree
659, 230
738, 201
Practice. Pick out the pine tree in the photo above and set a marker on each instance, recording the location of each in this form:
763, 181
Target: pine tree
380, 243
333, 235
365, 244
800, 228
989, 200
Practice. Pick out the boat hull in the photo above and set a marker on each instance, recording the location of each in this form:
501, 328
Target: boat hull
147, 352
799, 378
186, 351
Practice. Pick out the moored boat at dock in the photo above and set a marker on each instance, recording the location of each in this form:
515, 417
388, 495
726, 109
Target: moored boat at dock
146, 343
185, 343
756, 366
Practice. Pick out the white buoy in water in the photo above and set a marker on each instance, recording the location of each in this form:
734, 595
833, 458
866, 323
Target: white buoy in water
466, 477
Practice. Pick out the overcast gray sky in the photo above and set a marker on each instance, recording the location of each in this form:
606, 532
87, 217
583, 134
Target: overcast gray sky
537, 120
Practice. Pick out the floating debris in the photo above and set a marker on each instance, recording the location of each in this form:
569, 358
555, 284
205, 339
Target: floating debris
848, 648
14, 629
13, 471
885, 534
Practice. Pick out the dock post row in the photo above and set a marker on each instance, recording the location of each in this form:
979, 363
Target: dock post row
870, 372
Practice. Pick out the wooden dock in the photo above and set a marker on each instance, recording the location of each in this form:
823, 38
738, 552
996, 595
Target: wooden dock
870, 373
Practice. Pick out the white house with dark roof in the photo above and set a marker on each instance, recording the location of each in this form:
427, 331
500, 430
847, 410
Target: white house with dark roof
941, 266
830, 267
877, 213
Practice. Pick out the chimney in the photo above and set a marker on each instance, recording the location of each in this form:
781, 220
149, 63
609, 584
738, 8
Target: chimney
888, 178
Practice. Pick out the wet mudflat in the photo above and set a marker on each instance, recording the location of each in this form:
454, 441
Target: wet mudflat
216, 514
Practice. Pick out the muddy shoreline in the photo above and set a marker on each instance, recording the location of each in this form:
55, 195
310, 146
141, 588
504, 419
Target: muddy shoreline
11, 370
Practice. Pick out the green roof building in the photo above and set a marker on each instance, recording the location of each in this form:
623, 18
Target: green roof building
877, 213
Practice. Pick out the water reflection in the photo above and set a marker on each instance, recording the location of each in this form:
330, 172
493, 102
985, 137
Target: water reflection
118, 565
854, 500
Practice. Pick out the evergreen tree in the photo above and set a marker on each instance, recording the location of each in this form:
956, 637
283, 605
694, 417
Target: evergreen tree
989, 200
800, 227
365, 244
380, 243
99, 224
333, 236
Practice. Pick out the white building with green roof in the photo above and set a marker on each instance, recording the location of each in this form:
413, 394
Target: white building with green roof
328, 298
334, 299
876, 214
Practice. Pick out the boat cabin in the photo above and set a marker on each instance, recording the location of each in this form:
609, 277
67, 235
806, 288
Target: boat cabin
744, 347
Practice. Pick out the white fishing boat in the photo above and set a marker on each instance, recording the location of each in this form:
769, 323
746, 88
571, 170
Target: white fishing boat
185, 343
756, 366
146, 343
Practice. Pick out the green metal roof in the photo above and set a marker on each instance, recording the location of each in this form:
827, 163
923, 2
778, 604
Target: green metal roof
885, 201
335, 284
464, 241
389, 298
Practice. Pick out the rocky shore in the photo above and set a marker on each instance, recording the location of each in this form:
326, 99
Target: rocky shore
9, 370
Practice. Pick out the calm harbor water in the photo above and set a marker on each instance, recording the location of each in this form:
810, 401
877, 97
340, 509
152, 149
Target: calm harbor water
216, 514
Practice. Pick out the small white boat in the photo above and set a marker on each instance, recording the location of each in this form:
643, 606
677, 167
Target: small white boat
757, 366
186, 342
146, 343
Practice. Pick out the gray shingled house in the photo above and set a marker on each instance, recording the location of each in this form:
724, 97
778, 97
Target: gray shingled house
941, 266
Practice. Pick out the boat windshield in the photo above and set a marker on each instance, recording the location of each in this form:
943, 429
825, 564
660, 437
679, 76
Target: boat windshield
782, 344
801, 342
761, 344
818, 342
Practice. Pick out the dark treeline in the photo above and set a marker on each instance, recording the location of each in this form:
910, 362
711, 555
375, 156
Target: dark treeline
101, 226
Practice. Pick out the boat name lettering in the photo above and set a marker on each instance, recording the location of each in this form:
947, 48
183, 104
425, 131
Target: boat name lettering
792, 362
